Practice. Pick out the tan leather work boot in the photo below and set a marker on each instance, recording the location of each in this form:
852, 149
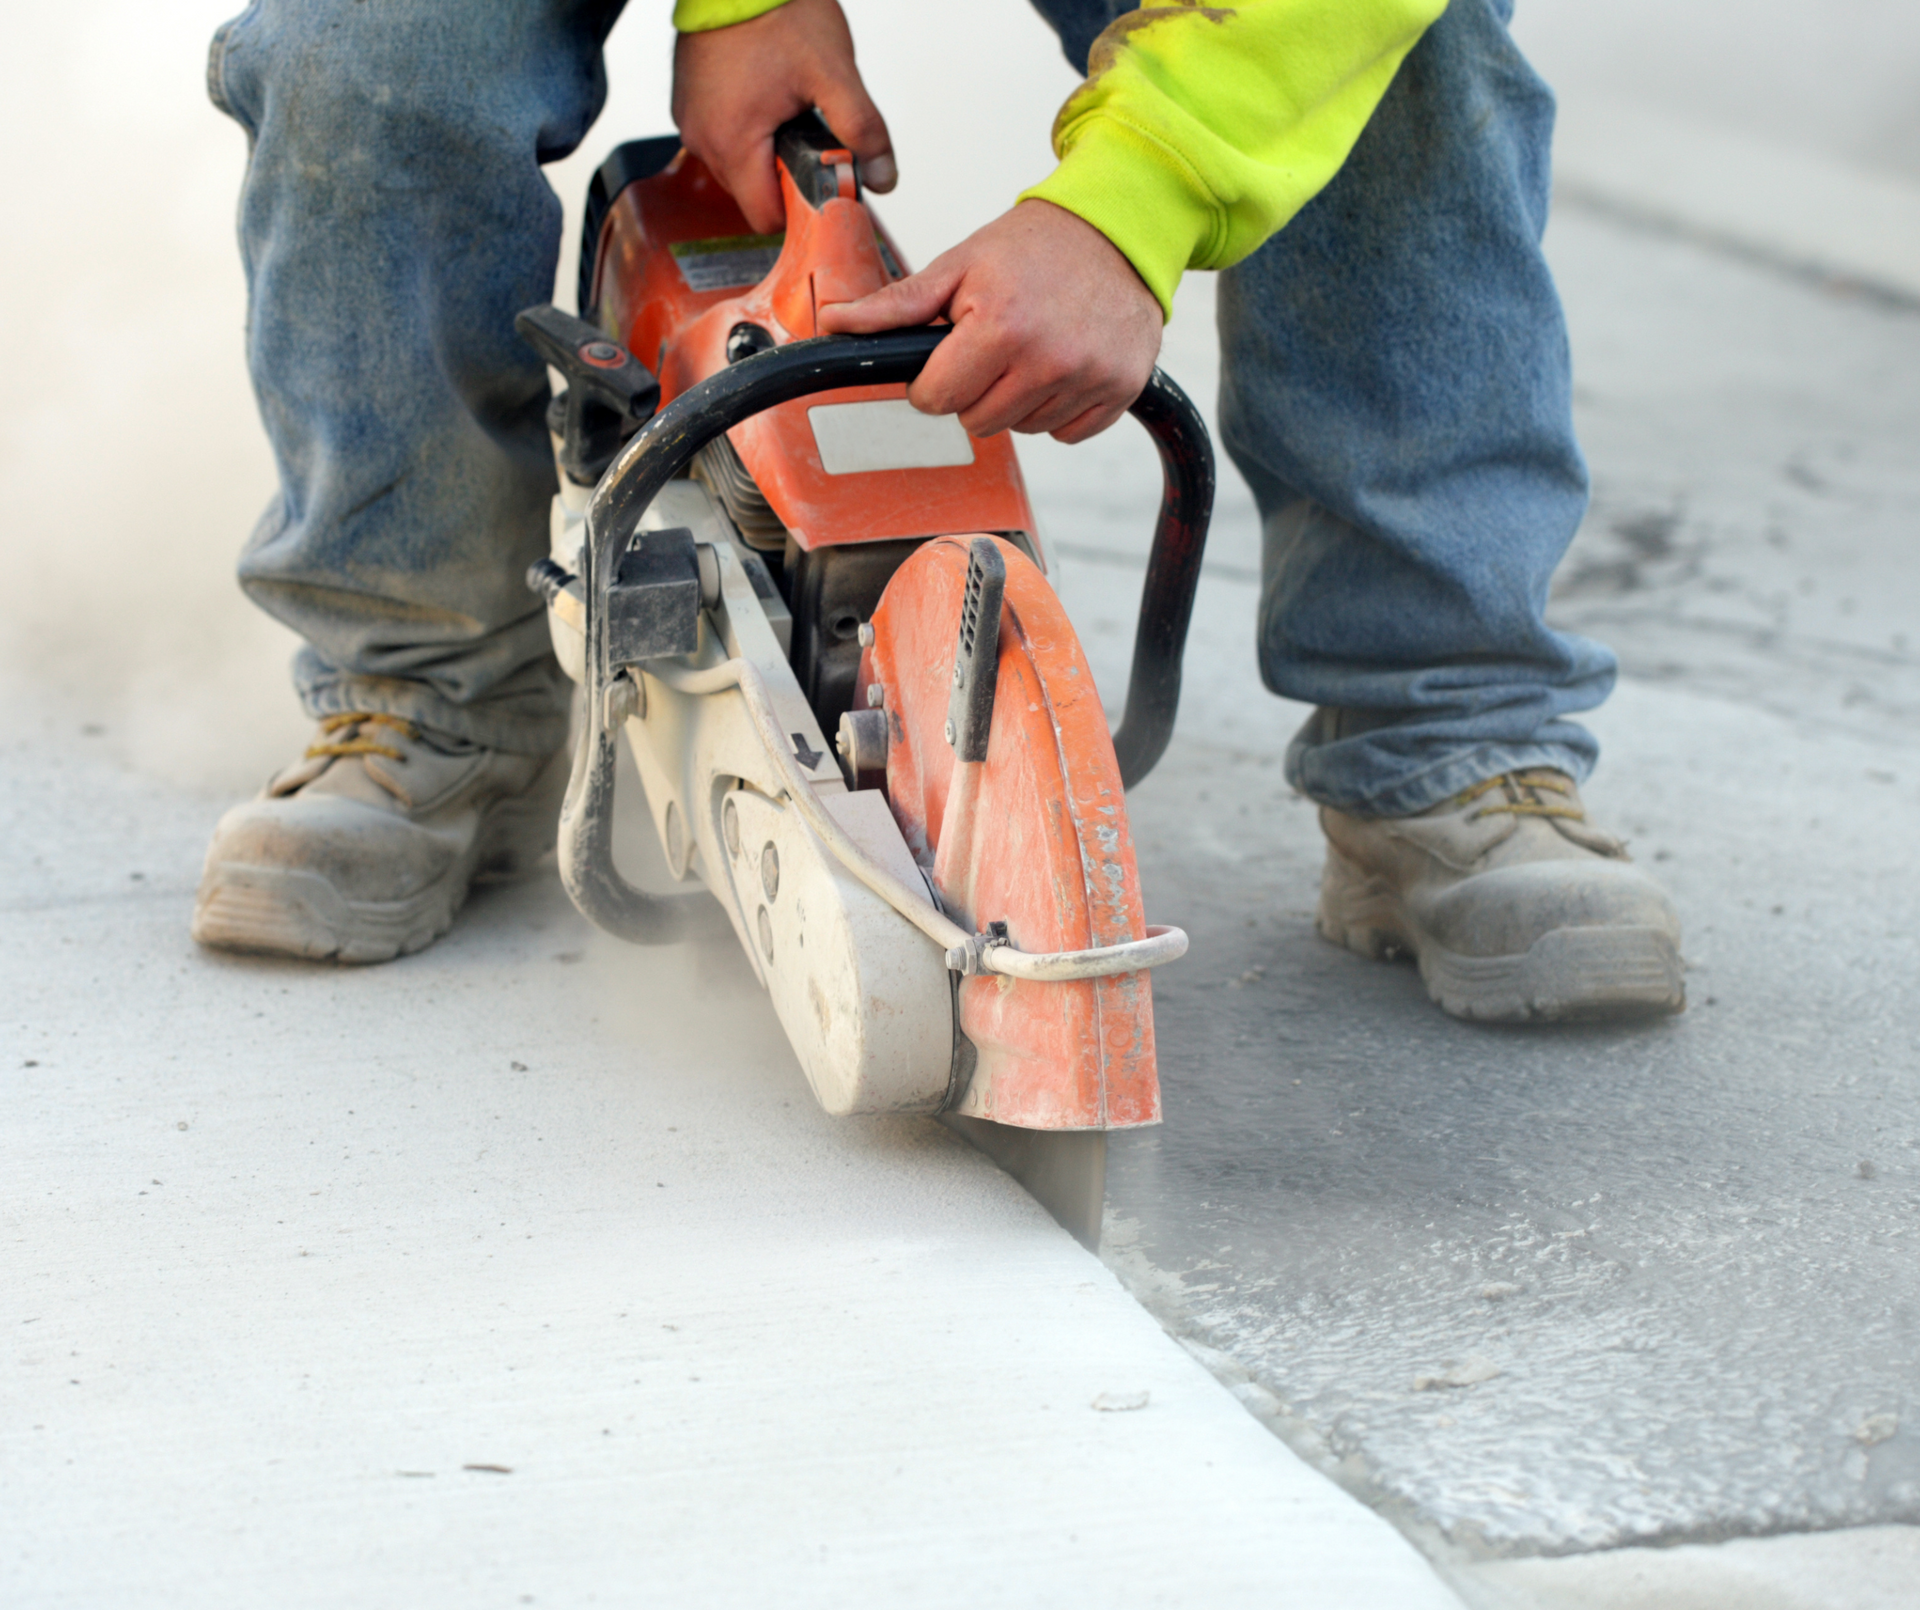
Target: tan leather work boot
1513, 904
365, 847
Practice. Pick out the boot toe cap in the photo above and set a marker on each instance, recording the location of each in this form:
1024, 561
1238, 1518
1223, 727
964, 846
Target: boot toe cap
1507, 910
362, 854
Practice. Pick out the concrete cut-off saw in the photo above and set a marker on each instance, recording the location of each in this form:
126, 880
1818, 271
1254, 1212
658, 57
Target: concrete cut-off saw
859, 713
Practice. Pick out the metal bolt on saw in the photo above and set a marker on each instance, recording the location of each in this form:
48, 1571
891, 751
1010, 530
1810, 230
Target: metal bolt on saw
759, 542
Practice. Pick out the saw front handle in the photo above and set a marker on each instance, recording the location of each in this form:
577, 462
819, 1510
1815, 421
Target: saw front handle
666, 445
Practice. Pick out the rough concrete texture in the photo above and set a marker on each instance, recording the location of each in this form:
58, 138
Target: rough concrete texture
1872, 1568
1556, 1290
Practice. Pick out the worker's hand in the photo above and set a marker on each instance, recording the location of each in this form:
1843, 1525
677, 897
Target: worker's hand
732, 87
1052, 329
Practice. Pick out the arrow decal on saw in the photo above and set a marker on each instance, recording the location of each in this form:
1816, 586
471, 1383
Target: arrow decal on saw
808, 758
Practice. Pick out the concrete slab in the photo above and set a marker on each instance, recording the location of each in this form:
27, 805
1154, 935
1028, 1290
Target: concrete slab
505, 1275
1755, 492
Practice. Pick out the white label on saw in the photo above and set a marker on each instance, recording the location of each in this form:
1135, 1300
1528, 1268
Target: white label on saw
855, 438
726, 262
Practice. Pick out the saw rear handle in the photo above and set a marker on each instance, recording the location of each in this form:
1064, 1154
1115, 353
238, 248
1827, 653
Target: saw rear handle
642, 604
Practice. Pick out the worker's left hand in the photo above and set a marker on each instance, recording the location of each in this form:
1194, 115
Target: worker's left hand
1053, 331
733, 87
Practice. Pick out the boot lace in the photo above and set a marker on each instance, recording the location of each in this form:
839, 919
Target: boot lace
353, 743
1520, 795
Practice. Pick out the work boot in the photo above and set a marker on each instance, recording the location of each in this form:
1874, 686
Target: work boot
364, 848
1514, 906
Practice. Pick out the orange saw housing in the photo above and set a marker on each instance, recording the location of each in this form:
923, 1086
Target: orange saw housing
680, 280
671, 285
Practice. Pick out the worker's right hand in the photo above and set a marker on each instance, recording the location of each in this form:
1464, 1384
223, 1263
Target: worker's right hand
1053, 330
733, 87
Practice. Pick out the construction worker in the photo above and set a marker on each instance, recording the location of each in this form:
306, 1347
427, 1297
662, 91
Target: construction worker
1370, 178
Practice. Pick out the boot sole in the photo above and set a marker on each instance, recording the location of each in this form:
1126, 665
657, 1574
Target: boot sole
284, 911
1567, 974
277, 911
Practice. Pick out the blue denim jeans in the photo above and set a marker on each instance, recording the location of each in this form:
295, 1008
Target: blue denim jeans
1395, 388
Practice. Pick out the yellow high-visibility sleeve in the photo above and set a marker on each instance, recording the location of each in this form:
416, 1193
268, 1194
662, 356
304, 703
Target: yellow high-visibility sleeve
1201, 130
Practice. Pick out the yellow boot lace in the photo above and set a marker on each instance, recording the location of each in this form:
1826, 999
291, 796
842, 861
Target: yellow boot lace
353, 744
1520, 796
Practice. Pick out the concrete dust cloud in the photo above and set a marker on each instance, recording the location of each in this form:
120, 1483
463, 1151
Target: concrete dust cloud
130, 462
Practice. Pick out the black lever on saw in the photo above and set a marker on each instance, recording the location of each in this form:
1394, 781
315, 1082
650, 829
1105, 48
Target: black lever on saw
609, 391
804, 146
665, 446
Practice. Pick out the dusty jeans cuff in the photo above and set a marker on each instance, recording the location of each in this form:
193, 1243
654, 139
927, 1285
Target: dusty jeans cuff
517, 727
1329, 779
